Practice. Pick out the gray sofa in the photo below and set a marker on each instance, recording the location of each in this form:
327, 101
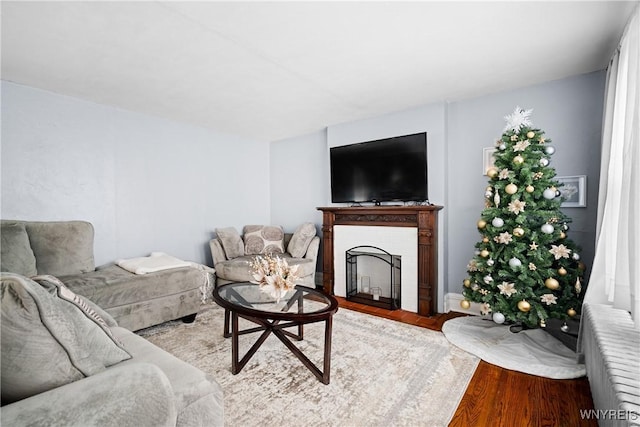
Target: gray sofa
65, 362
232, 253
65, 249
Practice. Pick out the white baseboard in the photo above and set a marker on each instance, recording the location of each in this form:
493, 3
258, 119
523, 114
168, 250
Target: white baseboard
451, 300
452, 303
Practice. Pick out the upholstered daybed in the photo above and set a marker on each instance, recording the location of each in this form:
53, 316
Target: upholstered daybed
64, 249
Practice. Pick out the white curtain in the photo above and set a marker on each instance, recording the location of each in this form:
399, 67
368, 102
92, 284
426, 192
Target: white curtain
615, 276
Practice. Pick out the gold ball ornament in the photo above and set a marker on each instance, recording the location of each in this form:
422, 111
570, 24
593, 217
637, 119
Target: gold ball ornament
562, 271
482, 223
530, 134
518, 232
492, 172
484, 253
552, 283
571, 312
518, 160
563, 235
581, 265
485, 240
524, 306
465, 304
466, 283
511, 189
529, 189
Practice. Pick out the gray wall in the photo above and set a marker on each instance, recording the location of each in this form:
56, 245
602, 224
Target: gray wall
570, 113
568, 110
299, 180
145, 183
149, 184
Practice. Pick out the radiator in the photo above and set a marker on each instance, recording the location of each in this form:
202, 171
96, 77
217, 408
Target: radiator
611, 348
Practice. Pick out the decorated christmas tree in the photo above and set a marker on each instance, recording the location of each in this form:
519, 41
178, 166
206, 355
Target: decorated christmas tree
525, 269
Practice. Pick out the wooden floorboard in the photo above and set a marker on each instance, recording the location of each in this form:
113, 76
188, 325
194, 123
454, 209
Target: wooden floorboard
500, 397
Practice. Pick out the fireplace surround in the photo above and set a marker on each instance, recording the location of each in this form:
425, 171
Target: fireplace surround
421, 218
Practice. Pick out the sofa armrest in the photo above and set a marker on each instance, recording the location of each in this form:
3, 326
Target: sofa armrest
217, 253
133, 394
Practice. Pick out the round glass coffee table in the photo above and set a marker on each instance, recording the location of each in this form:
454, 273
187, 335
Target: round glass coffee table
298, 307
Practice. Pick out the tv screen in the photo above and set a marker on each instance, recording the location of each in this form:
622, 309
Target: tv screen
391, 169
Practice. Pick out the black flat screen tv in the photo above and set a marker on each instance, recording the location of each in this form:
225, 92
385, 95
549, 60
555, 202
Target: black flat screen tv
384, 170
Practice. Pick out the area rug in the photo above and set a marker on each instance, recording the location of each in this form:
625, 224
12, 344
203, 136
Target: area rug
531, 351
383, 373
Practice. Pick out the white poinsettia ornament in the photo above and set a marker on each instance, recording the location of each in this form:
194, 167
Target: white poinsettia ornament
549, 299
560, 251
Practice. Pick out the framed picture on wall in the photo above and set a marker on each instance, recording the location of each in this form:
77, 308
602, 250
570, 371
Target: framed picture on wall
574, 191
487, 159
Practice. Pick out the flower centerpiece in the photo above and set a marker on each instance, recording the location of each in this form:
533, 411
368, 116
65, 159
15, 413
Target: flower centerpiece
274, 275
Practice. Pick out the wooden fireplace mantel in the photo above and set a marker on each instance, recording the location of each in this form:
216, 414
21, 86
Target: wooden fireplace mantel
424, 218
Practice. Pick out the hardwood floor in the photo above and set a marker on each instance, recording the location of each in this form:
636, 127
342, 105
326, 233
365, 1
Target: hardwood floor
500, 397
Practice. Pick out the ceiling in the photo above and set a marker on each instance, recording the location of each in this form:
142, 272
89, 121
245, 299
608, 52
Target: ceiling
272, 70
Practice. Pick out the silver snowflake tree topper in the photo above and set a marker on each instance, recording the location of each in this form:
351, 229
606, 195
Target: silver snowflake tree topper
518, 119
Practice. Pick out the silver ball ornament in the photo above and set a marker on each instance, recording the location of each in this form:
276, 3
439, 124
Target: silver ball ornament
514, 263
498, 318
547, 228
549, 194
549, 149
576, 256
502, 146
544, 162
497, 222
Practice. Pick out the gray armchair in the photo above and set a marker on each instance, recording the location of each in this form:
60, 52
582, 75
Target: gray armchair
232, 263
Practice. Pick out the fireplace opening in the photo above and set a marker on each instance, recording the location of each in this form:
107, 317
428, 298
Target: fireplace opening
373, 277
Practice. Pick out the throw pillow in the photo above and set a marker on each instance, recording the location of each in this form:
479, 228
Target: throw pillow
16, 254
301, 240
263, 239
47, 341
62, 248
55, 287
231, 242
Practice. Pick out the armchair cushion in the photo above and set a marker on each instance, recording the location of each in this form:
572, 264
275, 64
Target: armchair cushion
239, 269
16, 253
231, 242
301, 239
263, 239
47, 340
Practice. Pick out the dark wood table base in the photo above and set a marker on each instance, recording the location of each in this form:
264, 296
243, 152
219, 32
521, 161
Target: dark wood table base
278, 329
